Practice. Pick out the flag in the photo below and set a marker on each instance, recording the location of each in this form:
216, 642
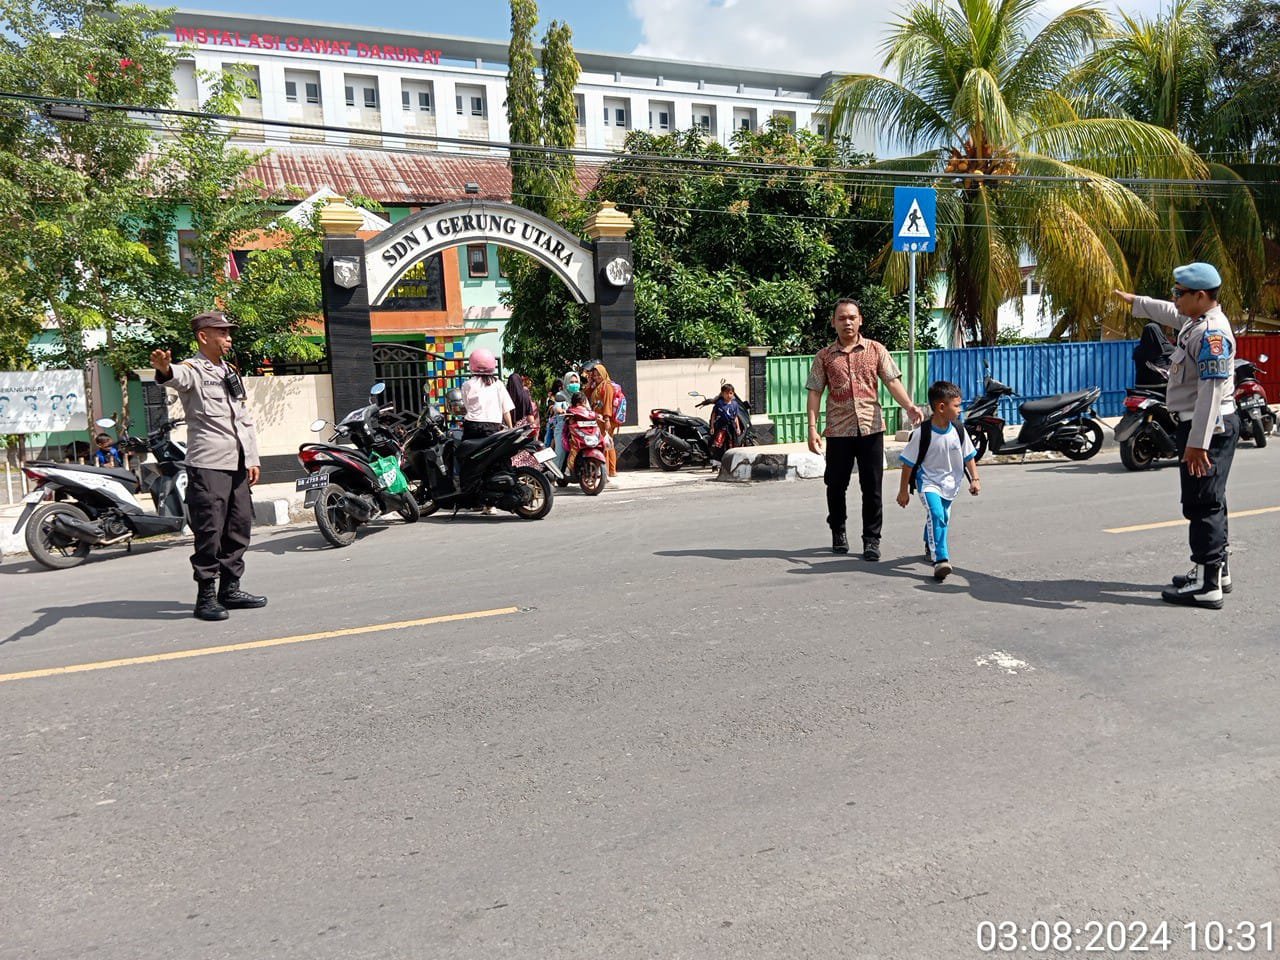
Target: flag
233, 271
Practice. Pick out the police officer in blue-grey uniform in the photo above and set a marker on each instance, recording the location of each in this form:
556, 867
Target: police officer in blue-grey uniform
1201, 394
222, 464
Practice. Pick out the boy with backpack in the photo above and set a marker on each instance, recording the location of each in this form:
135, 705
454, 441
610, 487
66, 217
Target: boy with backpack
938, 458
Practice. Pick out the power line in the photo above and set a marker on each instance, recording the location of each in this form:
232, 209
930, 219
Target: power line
609, 156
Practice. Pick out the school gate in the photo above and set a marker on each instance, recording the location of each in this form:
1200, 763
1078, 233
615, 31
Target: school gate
357, 275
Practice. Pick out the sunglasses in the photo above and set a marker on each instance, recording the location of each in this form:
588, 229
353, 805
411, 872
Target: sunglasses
1180, 292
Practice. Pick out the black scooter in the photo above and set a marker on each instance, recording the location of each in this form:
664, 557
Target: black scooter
676, 438
1063, 424
344, 484
75, 508
1147, 433
446, 471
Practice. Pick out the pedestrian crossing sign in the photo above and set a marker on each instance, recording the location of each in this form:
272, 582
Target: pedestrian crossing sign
915, 217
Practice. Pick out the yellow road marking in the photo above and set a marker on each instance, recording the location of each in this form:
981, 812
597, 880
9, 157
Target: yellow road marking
1235, 514
255, 644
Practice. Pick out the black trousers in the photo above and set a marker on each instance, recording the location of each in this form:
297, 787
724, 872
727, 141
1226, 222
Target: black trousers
842, 453
1204, 499
221, 510
475, 430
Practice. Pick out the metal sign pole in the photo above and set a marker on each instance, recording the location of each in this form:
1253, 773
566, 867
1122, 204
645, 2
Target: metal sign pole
911, 342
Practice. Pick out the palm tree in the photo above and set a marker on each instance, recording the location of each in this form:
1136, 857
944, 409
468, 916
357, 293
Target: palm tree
982, 99
1164, 71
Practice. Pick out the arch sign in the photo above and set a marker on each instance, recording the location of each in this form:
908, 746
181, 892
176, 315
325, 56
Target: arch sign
391, 254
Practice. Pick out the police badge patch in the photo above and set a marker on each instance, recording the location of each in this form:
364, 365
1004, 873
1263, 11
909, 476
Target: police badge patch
1214, 360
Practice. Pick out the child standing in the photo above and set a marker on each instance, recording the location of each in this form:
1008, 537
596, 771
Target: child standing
727, 412
938, 470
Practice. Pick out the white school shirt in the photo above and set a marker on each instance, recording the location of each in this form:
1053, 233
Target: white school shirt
486, 404
943, 469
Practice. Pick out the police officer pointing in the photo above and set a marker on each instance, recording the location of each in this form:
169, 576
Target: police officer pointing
222, 464
1201, 395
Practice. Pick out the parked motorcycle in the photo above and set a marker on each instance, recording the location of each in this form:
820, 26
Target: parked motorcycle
586, 445
446, 471
676, 438
1257, 419
1064, 423
75, 508
1147, 433
352, 485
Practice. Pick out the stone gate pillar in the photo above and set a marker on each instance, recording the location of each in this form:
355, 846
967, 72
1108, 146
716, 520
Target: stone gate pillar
613, 314
344, 288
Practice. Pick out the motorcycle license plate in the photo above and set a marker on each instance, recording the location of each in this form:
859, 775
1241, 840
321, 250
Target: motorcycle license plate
313, 482
1250, 402
543, 455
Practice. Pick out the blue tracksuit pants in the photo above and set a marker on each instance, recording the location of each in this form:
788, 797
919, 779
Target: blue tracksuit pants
935, 525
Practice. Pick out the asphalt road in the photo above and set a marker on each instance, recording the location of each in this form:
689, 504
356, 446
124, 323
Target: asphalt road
684, 730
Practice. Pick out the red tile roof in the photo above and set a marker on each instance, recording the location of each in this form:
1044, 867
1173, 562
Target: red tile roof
391, 177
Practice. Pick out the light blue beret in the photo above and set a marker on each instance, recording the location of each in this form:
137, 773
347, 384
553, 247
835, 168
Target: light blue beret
1197, 276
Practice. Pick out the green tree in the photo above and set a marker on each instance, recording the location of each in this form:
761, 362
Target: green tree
1164, 71
977, 91
560, 72
524, 114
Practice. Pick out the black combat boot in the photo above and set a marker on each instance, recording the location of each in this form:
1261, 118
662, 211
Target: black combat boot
207, 605
1201, 587
233, 598
870, 549
1180, 581
839, 540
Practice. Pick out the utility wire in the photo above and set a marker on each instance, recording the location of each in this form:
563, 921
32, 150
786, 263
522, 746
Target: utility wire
603, 156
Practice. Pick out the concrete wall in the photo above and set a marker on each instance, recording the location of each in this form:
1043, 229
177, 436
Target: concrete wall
284, 408
666, 383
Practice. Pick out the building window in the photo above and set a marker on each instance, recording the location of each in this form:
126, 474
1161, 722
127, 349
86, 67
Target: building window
188, 259
371, 98
664, 120
406, 100
424, 101
744, 123
477, 106
313, 93
619, 117
477, 260
459, 99
351, 96
291, 91
704, 123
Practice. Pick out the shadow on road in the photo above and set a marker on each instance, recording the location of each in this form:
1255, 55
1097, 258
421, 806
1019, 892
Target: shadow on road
309, 541
983, 587
1101, 467
104, 610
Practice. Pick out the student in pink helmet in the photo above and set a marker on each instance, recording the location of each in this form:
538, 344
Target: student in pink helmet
488, 403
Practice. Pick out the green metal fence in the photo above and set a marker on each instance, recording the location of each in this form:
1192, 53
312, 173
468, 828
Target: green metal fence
786, 395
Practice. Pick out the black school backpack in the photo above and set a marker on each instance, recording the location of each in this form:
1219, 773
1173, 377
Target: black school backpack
926, 435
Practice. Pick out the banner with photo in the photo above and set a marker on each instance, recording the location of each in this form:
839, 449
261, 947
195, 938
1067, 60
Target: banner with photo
42, 401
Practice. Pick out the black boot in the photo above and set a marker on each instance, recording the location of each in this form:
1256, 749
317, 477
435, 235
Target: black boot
839, 540
1181, 581
207, 605
870, 549
233, 598
1202, 587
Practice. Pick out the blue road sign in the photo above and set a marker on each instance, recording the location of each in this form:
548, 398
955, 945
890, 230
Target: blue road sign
915, 219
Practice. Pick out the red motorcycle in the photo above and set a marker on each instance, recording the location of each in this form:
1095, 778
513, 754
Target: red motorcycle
586, 462
1257, 419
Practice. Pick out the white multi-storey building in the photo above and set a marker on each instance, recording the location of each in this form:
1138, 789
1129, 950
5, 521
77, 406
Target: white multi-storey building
382, 84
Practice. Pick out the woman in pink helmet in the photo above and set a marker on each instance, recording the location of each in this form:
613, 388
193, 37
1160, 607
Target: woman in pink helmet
488, 403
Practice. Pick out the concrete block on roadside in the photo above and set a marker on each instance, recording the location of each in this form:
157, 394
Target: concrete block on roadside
808, 466
270, 513
750, 464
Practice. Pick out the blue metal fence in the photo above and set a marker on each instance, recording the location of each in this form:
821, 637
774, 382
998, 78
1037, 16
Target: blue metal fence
1041, 371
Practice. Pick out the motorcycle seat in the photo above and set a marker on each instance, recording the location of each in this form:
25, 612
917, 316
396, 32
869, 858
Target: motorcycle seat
119, 473
470, 448
1050, 404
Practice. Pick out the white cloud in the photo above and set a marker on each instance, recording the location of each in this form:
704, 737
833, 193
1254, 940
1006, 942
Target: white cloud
804, 36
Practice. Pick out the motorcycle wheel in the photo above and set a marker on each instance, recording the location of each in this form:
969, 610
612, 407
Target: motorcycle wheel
426, 504
542, 494
1259, 434
410, 512
979, 439
592, 478
54, 550
1138, 452
336, 525
669, 458
1091, 447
